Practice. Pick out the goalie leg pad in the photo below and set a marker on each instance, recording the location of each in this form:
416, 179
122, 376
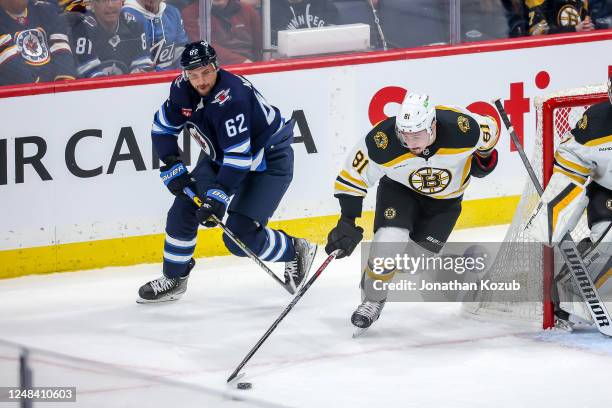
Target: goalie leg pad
559, 210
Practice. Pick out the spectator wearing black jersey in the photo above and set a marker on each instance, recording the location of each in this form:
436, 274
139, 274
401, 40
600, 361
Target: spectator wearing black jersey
106, 42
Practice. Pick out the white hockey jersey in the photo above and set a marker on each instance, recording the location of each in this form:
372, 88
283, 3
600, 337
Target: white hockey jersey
442, 171
587, 149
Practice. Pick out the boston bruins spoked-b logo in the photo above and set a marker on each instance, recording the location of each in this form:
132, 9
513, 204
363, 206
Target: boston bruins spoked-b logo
568, 16
202, 140
390, 213
428, 180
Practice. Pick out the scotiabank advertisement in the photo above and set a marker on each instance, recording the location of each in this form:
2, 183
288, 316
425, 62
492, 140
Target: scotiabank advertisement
78, 166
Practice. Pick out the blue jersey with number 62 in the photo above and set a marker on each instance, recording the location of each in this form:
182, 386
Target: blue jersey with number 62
233, 124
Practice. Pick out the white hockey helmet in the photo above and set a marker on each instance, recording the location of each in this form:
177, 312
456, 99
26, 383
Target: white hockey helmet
415, 115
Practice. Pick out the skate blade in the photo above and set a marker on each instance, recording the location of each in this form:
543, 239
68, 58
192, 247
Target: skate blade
563, 325
171, 298
359, 331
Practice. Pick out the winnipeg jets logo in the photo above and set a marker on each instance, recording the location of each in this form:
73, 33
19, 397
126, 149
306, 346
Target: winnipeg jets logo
33, 46
222, 97
129, 17
204, 142
162, 53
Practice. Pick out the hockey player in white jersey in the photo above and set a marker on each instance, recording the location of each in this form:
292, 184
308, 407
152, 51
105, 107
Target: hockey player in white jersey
582, 178
423, 159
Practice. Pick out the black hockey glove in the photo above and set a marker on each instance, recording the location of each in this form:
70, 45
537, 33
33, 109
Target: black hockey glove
214, 203
345, 236
483, 166
175, 176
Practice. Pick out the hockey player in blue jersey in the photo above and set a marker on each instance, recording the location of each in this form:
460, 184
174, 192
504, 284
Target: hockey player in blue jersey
248, 156
163, 26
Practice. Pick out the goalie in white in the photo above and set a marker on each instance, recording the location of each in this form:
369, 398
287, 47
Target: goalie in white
423, 159
582, 177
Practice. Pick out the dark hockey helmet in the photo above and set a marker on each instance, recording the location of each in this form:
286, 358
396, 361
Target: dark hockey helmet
198, 54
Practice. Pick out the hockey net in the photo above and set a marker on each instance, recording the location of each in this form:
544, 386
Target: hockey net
519, 256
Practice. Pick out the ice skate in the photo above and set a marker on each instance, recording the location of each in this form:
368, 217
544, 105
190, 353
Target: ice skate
366, 314
297, 270
164, 289
570, 321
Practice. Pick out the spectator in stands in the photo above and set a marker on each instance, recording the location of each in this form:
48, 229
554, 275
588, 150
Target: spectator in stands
295, 14
34, 43
106, 43
235, 30
536, 17
163, 25
557, 16
601, 13
516, 15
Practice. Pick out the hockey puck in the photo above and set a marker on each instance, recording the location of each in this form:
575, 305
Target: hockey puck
244, 385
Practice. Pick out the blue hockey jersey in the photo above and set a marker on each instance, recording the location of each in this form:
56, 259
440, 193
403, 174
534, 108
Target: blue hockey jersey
166, 36
233, 124
34, 45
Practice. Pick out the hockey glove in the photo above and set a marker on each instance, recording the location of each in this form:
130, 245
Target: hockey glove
483, 166
175, 176
215, 203
345, 236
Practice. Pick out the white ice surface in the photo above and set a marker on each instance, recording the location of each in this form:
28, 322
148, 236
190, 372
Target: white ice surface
416, 355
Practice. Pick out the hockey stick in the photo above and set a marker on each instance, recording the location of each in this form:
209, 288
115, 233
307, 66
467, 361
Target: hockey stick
567, 247
296, 298
289, 288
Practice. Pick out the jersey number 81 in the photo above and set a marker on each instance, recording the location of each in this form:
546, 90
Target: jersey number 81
360, 162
